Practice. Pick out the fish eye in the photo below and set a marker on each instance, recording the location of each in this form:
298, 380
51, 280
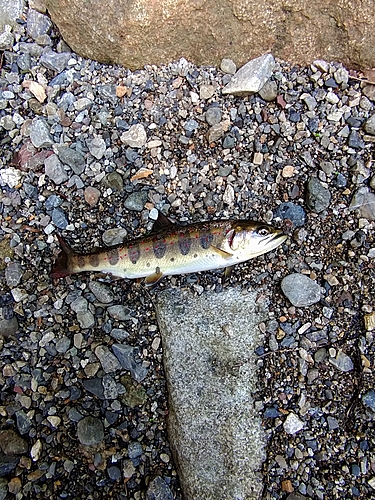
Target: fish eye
263, 231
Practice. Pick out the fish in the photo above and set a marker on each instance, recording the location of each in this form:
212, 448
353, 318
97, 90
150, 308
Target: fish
172, 249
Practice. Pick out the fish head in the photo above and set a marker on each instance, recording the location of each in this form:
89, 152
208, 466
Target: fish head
250, 239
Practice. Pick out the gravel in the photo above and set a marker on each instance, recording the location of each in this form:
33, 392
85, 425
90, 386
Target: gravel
94, 152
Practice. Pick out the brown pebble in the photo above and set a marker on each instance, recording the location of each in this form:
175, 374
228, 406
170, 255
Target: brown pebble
288, 171
121, 90
287, 486
92, 196
369, 322
14, 485
280, 101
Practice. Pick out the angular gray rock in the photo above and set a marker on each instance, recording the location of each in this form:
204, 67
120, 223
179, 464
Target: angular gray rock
126, 355
158, 490
40, 135
120, 312
114, 236
8, 327
55, 170
210, 367
300, 290
370, 125
292, 424
136, 201
318, 197
108, 361
364, 201
101, 291
37, 23
342, 362
71, 157
86, 319
13, 274
59, 218
269, 91
251, 77
54, 60
213, 115
97, 147
368, 399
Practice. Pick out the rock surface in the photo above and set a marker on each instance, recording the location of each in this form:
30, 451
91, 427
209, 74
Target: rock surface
120, 32
10, 11
210, 369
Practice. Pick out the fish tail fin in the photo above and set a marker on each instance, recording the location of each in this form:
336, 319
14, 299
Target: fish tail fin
60, 268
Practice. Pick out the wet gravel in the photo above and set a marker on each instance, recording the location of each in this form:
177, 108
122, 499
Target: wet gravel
91, 152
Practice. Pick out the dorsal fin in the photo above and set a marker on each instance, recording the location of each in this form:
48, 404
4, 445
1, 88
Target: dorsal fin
162, 223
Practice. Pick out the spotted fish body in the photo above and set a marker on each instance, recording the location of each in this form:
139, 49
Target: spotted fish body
175, 250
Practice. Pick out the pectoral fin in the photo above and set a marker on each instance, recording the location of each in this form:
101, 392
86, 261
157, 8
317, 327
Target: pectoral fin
222, 253
153, 279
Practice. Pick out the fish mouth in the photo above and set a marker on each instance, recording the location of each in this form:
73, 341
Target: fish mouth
275, 240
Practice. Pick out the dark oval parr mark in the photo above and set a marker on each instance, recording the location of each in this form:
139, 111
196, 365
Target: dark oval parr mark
94, 260
184, 244
205, 240
113, 256
159, 247
134, 254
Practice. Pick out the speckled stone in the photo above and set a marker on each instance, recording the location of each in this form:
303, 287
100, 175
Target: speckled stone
318, 197
136, 201
369, 126
301, 290
211, 412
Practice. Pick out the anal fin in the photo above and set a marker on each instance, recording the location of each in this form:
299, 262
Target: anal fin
222, 253
152, 279
227, 272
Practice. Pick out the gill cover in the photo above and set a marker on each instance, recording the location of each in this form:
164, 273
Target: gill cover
238, 237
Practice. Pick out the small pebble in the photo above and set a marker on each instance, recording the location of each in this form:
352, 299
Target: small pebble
228, 66
342, 362
92, 196
301, 290
90, 431
292, 424
318, 198
135, 137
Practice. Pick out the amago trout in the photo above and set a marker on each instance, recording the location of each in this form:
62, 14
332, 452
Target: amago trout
175, 250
